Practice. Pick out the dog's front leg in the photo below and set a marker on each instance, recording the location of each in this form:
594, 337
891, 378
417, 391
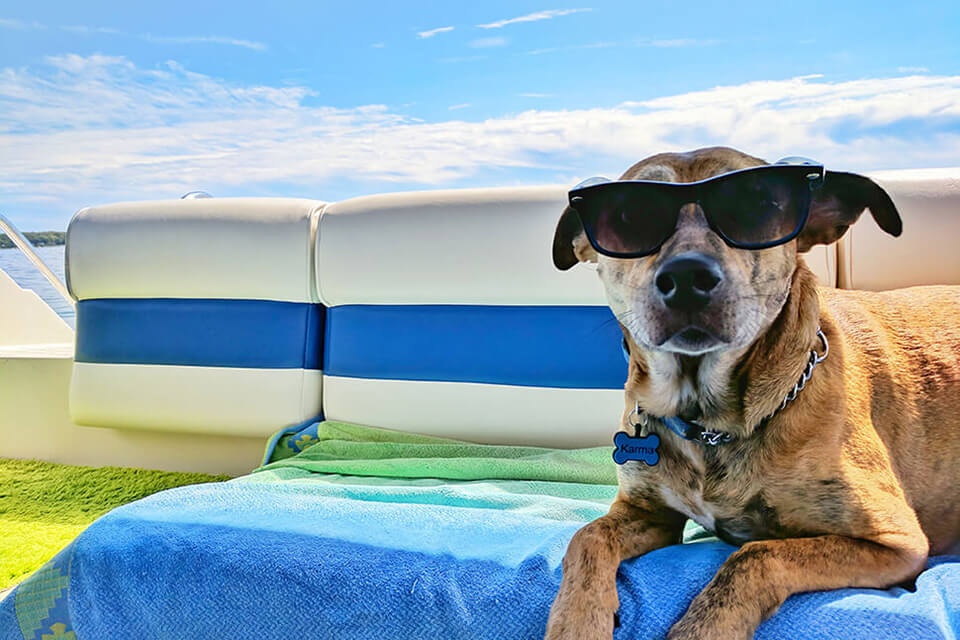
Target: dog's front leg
757, 578
587, 601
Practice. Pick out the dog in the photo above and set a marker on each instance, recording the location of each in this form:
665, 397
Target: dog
832, 417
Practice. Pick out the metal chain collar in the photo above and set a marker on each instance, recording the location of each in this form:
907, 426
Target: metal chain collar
814, 360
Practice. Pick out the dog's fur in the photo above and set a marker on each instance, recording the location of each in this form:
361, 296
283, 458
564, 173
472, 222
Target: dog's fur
852, 485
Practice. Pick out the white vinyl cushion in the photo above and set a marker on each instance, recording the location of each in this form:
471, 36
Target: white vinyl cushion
467, 246
822, 260
215, 400
926, 252
242, 248
484, 413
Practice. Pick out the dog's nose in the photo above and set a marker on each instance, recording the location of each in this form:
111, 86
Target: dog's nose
685, 281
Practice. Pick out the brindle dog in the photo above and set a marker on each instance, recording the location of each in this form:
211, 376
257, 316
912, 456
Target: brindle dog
853, 484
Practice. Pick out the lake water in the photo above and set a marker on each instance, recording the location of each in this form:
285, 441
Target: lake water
26, 275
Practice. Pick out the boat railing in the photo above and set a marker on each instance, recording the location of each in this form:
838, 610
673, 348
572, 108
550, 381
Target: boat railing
20, 241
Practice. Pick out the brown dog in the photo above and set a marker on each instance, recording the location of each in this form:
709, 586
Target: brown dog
852, 484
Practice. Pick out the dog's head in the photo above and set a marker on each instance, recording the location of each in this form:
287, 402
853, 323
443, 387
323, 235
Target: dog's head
697, 294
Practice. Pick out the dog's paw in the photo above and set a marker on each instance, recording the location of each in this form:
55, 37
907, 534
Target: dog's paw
579, 630
579, 622
706, 625
695, 632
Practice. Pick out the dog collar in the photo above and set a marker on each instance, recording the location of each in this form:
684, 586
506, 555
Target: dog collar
686, 429
691, 430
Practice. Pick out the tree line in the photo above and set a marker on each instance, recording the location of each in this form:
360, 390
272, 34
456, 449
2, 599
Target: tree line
38, 238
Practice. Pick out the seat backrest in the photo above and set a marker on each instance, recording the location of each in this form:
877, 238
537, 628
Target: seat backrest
196, 315
926, 253
446, 316
436, 312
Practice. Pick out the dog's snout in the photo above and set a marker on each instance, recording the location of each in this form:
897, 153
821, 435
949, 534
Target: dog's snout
685, 281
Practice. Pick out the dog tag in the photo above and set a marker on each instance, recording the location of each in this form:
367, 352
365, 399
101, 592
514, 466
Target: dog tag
630, 448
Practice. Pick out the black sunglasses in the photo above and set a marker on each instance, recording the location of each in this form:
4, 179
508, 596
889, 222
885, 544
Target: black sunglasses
752, 208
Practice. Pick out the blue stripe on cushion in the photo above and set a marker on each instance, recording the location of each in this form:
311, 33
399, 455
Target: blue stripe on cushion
538, 346
213, 333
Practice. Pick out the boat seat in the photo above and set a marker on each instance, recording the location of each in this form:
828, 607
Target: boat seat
446, 316
196, 315
438, 312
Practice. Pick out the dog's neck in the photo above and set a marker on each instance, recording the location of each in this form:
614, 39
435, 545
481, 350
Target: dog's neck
732, 390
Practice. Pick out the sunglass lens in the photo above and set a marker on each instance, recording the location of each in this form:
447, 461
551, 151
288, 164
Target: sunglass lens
627, 219
758, 208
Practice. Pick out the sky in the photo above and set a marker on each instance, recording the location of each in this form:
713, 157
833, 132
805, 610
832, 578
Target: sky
107, 101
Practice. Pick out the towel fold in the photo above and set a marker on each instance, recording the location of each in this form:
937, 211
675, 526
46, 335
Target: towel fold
340, 447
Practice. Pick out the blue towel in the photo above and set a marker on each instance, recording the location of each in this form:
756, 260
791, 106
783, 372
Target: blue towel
286, 555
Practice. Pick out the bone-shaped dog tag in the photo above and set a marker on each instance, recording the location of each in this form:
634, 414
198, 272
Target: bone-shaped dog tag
630, 448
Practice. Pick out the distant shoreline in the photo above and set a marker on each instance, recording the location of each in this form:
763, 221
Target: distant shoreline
37, 238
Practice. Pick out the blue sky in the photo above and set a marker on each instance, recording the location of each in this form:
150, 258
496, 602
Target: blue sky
105, 101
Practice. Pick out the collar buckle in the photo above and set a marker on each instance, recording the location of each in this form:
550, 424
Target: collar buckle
713, 438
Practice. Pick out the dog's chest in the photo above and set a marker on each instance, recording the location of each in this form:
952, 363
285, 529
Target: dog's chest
725, 499
692, 505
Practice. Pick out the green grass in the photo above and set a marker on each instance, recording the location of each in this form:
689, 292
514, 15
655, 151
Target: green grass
43, 506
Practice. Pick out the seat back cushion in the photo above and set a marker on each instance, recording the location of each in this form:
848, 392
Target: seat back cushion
196, 315
446, 316
925, 253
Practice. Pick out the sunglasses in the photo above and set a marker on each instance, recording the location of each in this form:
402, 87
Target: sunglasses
754, 208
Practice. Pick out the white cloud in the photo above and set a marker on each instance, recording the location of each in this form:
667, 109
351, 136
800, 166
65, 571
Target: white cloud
20, 25
456, 59
81, 130
913, 70
454, 107
486, 43
378, 45
84, 30
573, 47
679, 42
236, 42
535, 95
532, 17
87, 31
433, 32
675, 43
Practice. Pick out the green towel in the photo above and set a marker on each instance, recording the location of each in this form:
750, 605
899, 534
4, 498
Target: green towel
340, 460
350, 449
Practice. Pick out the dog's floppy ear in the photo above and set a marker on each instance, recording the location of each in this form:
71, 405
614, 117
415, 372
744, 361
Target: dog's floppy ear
570, 242
839, 202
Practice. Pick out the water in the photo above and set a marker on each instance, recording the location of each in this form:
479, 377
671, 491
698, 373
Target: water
26, 275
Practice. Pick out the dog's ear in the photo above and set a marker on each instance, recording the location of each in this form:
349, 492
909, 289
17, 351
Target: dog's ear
570, 242
839, 202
